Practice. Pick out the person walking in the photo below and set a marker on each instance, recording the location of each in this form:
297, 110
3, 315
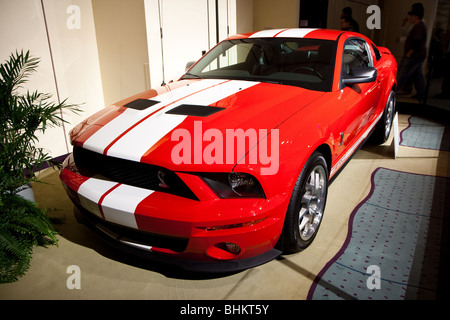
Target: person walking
415, 52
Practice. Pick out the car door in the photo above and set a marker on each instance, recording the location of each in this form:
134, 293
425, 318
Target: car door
360, 99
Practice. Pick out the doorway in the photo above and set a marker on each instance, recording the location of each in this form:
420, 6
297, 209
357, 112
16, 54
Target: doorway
311, 16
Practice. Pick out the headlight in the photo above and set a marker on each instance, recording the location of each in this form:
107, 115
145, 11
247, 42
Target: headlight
234, 185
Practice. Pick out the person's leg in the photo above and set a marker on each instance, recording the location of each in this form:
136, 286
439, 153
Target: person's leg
405, 72
418, 79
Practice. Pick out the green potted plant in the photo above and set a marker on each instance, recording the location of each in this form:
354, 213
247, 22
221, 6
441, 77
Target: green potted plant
23, 225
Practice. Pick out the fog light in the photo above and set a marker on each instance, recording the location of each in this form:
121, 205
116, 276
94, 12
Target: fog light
223, 251
232, 248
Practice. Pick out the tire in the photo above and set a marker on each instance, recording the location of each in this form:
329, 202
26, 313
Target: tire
307, 205
384, 126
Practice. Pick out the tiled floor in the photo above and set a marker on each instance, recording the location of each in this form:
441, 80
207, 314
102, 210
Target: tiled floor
395, 237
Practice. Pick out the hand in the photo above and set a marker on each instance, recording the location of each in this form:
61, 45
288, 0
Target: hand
405, 20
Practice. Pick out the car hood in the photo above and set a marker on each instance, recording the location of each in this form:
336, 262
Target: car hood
186, 117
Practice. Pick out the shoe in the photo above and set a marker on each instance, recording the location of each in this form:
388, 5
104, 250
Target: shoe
420, 98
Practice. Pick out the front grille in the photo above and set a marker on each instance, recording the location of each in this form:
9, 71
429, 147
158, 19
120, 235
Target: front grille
119, 233
132, 173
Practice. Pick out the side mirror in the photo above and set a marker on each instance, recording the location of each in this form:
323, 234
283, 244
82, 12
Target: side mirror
188, 65
360, 75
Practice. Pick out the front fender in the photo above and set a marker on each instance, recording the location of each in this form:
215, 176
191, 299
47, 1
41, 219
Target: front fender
286, 150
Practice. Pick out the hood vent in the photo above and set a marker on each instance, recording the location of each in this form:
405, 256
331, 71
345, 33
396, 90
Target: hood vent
141, 104
194, 110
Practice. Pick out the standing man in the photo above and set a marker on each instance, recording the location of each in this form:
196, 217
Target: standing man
347, 21
415, 53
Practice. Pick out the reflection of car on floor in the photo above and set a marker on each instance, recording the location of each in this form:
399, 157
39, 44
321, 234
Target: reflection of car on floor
229, 166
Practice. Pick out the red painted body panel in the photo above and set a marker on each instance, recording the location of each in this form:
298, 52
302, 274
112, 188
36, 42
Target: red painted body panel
303, 120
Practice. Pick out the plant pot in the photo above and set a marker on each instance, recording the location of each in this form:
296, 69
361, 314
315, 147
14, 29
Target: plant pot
26, 192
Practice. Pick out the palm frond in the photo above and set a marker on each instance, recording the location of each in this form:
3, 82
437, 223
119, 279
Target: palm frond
17, 69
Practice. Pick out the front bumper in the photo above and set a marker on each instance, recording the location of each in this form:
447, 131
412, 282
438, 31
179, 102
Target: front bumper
172, 229
145, 251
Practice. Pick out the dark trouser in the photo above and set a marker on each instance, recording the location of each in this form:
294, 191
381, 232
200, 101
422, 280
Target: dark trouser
411, 69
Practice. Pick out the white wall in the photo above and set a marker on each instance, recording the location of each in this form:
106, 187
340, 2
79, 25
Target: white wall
122, 47
189, 27
269, 14
115, 51
75, 61
244, 16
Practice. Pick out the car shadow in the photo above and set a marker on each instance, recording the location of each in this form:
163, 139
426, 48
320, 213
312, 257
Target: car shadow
82, 235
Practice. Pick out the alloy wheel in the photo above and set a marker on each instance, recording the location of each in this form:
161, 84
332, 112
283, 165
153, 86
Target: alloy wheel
312, 203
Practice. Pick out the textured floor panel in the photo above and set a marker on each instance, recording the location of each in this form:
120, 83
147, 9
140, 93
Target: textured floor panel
393, 246
426, 134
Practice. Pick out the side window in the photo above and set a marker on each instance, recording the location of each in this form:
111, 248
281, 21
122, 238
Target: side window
355, 55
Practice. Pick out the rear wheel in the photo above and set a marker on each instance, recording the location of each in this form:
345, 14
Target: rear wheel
307, 205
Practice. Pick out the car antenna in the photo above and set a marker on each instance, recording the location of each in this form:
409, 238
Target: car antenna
162, 45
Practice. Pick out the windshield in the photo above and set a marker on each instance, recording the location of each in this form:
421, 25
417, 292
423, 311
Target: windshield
306, 63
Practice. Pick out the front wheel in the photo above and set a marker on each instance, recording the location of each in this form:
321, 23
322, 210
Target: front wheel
307, 205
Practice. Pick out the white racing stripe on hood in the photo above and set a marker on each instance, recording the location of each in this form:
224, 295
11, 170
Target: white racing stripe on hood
134, 144
113, 129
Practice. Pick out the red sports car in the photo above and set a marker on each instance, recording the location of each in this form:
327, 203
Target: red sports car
229, 167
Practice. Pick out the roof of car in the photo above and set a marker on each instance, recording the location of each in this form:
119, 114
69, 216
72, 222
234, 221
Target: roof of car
312, 33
